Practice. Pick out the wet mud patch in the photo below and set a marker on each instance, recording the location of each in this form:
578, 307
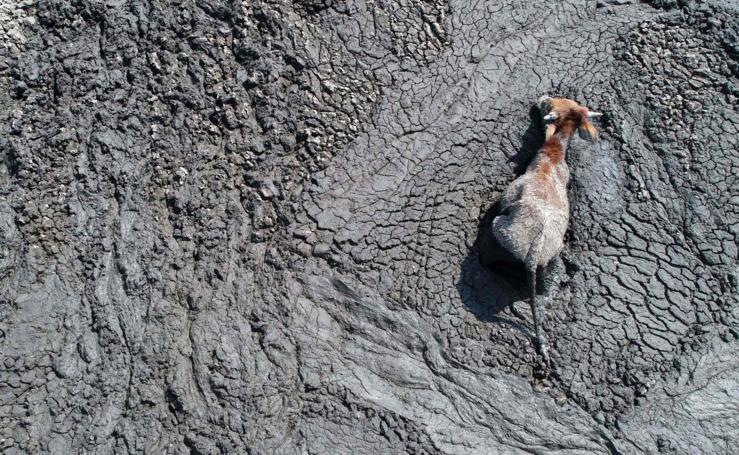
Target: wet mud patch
241, 227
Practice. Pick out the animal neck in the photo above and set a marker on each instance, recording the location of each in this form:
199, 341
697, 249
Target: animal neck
555, 148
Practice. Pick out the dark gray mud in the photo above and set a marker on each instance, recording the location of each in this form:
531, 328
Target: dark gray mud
255, 227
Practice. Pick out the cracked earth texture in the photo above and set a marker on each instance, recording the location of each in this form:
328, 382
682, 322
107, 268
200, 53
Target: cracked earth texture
256, 227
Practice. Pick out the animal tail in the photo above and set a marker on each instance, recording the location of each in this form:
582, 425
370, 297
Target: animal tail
532, 264
531, 273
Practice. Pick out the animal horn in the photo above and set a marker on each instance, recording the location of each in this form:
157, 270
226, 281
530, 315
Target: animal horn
595, 114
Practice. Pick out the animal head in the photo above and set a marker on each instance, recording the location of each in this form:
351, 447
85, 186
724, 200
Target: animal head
563, 111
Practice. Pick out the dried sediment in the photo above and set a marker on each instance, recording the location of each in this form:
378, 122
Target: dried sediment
233, 227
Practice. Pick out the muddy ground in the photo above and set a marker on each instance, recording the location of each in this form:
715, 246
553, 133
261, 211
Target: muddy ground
255, 227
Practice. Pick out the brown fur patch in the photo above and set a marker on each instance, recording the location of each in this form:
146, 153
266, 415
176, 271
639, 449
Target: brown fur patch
563, 104
566, 125
552, 149
570, 117
569, 111
590, 129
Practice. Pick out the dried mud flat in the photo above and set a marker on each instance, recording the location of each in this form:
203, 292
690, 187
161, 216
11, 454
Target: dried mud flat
254, 227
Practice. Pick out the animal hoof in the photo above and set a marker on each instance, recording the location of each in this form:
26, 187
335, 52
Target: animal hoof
546, 361
542, 369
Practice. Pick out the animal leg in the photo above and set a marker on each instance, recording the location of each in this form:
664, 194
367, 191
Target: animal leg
551, 274
541, 340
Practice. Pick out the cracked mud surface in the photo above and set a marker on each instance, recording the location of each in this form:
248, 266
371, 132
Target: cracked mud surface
255, 227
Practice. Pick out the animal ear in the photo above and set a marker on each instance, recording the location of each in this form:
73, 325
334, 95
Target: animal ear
588, 131
549, 132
